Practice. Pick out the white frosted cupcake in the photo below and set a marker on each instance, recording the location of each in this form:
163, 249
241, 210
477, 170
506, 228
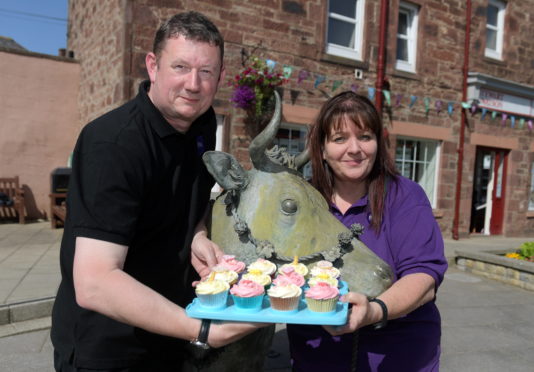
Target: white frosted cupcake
284, 297
222, 273
258, 277
212, 293
323, 278
299, 267
325, 267
263, 265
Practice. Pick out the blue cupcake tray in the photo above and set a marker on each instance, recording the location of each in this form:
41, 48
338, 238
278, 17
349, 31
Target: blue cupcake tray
266, 314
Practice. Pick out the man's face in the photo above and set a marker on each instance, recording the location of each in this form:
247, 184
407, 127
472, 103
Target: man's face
184, 80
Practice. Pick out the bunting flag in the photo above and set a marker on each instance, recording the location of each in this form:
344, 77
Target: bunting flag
371, 93
521, 123
466, 105
412, 100
530, 124
398, 99
336, 84
504, 117
439, 105
354, 87
303, 75
294, 95
450, 108
493, 115
512, 120
270, 64
484, 112
387, 96
474, 107
287, 71
427, 105
318, 80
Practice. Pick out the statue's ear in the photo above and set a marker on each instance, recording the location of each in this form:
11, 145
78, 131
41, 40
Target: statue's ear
226, 170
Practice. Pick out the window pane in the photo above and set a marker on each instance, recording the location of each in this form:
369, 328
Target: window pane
341, 33
492, 13
402, 49
343, 7
403, 24
491, 39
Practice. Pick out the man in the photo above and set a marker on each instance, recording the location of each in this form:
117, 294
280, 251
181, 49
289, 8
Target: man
136, 201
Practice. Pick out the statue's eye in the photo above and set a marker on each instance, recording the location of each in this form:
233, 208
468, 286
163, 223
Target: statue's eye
289, 206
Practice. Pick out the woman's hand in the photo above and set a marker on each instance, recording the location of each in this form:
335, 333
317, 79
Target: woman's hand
361, 313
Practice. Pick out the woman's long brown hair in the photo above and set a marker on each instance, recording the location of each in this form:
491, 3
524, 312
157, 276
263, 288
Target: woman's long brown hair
362, 112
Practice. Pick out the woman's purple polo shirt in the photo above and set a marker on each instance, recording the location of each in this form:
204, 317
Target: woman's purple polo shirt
410, 242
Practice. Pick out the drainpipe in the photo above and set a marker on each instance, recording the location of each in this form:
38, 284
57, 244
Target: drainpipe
381, 64
463, 123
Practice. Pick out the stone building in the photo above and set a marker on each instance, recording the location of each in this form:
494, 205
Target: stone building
453, 79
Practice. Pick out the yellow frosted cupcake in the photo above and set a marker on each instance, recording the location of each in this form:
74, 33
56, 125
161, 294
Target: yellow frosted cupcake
299, 267
265, 266
323, 278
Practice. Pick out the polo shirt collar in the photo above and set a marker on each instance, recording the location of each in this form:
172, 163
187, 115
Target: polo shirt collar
362, 202
156, 119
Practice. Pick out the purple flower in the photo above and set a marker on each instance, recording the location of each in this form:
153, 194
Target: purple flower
243, 97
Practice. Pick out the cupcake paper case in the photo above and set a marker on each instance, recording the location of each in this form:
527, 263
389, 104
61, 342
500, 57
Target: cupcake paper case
322, 298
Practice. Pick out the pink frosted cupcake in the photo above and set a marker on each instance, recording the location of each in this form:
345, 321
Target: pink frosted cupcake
247, 295
322, 298
229, 262
288, 275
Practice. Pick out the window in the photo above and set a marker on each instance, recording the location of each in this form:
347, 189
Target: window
407, 37
494, 28
293, 138
418, 161
345, 28
531, 194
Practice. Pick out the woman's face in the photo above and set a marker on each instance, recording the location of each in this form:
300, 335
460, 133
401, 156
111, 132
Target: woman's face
350, 152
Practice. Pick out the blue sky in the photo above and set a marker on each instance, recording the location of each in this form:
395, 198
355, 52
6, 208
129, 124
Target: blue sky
38, 25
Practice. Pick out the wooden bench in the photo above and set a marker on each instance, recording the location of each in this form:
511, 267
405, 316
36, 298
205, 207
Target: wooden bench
58, 209
12, 199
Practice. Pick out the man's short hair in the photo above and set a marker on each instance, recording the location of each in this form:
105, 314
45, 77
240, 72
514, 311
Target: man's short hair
191, 25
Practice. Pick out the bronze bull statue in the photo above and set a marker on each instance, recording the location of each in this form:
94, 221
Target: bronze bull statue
272, 212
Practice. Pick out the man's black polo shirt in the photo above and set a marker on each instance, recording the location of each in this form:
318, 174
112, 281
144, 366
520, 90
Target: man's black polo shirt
138, 182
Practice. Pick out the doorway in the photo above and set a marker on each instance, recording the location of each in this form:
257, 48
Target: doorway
487, 206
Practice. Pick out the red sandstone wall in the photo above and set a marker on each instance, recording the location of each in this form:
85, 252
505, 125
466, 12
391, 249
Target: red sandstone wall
39, 121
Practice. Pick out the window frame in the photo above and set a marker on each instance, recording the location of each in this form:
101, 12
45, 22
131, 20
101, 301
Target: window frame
412, 12
499, 29
438, 143
355, 53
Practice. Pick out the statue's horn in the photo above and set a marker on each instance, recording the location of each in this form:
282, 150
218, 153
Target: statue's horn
261, 141
302, 158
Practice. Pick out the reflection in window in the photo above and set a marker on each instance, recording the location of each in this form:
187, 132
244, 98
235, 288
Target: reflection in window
418, 161
293, 139
345, 28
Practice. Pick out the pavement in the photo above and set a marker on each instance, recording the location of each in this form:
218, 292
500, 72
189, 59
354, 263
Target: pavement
486, 325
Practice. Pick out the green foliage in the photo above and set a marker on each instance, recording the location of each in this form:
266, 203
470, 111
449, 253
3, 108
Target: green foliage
527, 249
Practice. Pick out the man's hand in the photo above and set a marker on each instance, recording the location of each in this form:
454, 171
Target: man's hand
204, 254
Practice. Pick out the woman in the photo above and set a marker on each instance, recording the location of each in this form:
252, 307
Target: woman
355, 174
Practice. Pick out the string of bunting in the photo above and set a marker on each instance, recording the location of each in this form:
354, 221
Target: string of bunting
439, 105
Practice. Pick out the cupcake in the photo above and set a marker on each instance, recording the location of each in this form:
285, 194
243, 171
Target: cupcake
323, 278
222, 273
229, 262
322, 298
288, 275
212, 293
265, 266
247, 295
325, 267
284, 297
299, 267
258, 277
